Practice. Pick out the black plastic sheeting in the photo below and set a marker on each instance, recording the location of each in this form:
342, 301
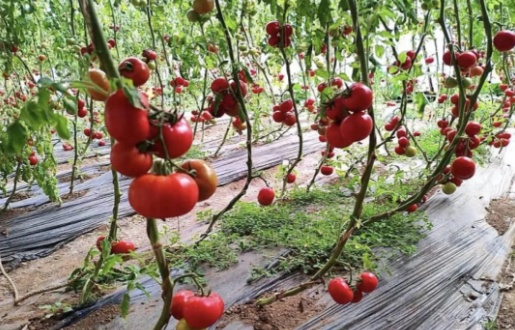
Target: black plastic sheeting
446, 284
39, 232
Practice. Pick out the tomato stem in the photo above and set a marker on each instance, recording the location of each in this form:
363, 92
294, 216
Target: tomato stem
162, 263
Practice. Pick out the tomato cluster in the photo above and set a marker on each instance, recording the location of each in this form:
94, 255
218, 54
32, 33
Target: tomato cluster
283, 113
196, 311
179, 83
343, 293
275, 29
225, 101
407, 62
348, 117
139, 138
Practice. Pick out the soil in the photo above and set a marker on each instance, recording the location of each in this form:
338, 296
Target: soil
285, 314
74, 195
501, 213
102, 316
506, 317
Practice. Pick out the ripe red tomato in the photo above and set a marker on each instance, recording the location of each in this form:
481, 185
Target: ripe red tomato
266, 196
403, 142
290, 178
340, 291
326, 170
429, 60
336, 138
273, 28
178, 302
412, 208
357, 126
472, 128
368, 282
203, 312
278, 116
504, 40
463, 168
99, 242
135, 69
149, 54
178, 138
447, 58
33, 160
466, 60
81, 113
204, 176
219, 85
124, 122
357, 296
122, 247
159, 196
129, 161
243, 88
359, 99
290, 119
286, 105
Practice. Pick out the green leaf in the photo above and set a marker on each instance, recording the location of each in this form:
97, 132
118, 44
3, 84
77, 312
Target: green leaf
367, 262
32, 115
421, 101
125, 305
133, 95
61, 126
344, 5
324, 12
70, 106
379, 50
322, 73
17, 136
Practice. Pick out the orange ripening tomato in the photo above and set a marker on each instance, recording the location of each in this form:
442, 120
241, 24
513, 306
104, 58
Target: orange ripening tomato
99, 78
204, 176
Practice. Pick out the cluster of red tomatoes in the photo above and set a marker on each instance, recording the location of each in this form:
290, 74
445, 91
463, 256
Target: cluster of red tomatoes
179, 83
196, 311
139, 138
348, 119
283, 113
404, 146
405, 65
275, 29
343, 293
225, 101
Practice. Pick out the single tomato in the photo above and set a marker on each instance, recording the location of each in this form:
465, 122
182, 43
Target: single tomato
129, 161
124, 122
203, 312
160, 196
204, 176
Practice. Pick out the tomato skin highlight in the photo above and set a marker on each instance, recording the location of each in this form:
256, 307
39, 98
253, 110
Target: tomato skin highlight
178, 301
129, 161
178, 138
205, 177
203, 312
125, 123
157, 196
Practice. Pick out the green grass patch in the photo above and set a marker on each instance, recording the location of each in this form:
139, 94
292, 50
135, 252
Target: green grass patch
308, 225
